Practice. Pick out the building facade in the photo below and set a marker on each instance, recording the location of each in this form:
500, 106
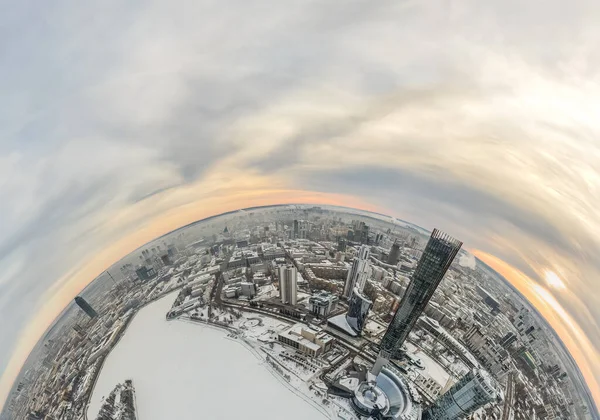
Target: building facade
311, 341
470, 393
248, 289
86, 307
322, 303
394, 255
358, 274
300, 230
288, 284
435, 261
358, 310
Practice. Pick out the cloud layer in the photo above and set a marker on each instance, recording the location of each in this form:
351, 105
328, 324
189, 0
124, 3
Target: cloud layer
118, 121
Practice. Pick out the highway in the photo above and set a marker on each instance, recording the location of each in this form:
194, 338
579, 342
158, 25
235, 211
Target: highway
508, 397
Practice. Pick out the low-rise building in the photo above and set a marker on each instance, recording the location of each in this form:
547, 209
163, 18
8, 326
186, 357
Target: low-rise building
311, 341
248, 289
322, 303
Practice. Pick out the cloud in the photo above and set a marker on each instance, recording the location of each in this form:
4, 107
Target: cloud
467, 260
450, 114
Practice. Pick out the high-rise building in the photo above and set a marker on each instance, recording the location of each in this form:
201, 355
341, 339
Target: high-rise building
508, 340
288, 279
525, 324
354, 320
470, 393
86, 307
172, 251
303, 228
300, 229
360, 232
166, 259
144, 273
357, 275
394, 254
358, 310
435, 261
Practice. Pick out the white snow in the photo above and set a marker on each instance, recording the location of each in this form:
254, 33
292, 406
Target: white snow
182, 370
432, 368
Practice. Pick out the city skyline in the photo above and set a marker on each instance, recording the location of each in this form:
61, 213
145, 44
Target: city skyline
122, 123
358, 306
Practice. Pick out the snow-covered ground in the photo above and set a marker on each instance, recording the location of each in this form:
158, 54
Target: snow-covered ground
432, 368
183, 370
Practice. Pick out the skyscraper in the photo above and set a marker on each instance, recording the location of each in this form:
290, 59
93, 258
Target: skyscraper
288, 277
358, 309
86, 307
435, 261
525, 324
394, 255
471, 392
354, 320
357, 275
303, 228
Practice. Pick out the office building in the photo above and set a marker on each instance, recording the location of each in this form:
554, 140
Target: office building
435, 261
354, 320
394, 255
248, 289
322, 303
166, 259
358, 274
358, 310
508, 340
172, 252
86, 307
525, 325
470, 393
488, 299
360, 232
301, 228
144, 273
311, 341
288, 279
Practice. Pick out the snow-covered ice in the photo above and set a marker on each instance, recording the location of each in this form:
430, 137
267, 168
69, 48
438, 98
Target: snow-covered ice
187, 371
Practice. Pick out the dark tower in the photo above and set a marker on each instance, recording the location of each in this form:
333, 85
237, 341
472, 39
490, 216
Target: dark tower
473, 391
394, 255
435, 261
86, 307
358, 310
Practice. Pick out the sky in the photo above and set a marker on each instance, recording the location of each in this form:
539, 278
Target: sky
120, 121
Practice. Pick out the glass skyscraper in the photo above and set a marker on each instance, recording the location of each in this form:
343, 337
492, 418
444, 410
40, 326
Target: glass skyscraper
358, 273
435, 261
358, 310
87, 308
470, 393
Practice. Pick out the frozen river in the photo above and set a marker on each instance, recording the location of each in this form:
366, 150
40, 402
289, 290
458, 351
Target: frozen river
188, 371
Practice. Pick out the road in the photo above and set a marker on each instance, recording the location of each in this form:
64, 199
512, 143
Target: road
508, 397
216, 298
